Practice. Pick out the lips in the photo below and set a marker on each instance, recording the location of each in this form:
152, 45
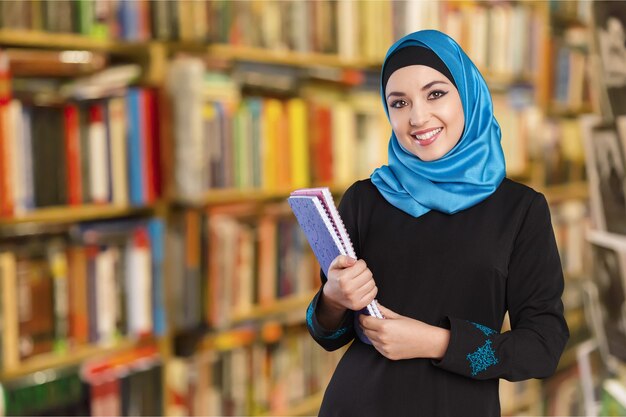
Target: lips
426, 137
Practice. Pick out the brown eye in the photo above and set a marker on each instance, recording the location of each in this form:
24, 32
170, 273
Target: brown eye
397, 104
437, 94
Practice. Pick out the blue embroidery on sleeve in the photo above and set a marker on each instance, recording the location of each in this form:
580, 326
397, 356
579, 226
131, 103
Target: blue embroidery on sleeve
309, 322
486, 330
482, 358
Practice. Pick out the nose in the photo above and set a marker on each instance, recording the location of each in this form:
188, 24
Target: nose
419, 115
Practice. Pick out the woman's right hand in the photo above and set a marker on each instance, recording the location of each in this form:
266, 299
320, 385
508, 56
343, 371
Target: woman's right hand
350, 284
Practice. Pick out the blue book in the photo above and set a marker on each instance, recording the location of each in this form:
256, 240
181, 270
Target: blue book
156, 232
325, 231
318, 228
135, 155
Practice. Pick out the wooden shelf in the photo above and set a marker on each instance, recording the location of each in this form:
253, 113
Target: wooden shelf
234, 336
68, 214
27, 38
307, 407
225, 196
296, 59
60, 359
567, 112
282, 306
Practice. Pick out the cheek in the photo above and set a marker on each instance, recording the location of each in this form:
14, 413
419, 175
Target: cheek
456, 124
396, 121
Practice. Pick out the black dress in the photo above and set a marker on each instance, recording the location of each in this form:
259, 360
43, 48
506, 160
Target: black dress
462, 272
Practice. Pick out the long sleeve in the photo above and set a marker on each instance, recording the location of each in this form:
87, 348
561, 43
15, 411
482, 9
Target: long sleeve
533, 294
334, 339
329, 339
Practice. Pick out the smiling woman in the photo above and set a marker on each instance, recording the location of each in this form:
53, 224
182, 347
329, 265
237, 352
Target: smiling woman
447, 245
425, 111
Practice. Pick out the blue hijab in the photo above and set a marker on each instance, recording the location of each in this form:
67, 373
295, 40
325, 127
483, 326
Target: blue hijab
472, 170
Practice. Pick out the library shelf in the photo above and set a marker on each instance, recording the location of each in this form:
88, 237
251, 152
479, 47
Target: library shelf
70, 357
37, 39
69, 214
233, 195
46, 40
261, 322
285, 305
285, 57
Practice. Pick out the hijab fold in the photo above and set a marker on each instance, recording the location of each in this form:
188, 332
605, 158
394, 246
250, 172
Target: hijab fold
472, 170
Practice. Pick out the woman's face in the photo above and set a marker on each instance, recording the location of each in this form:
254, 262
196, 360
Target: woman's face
425, 110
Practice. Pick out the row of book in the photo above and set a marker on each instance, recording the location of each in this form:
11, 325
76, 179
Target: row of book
254, 379
322, 136
103, 151
571, 83
100, 19
233, 258
347, 28
362, 29
128, 384
90, 285
224, 141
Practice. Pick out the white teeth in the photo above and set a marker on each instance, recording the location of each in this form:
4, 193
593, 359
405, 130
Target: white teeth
427, 135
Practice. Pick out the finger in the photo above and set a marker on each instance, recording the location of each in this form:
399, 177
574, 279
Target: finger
360, 280
369, 296
357, 268
370, 323
388, 314
342, 262
364, 290
365, 321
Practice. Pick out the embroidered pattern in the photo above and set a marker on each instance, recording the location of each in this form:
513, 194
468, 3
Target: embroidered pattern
482, 358
486, 330
309, 322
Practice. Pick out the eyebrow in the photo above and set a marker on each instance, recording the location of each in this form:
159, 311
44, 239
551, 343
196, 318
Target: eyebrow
426, 87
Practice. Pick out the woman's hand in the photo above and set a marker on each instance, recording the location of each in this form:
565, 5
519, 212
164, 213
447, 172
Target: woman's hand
350, 284
398, 337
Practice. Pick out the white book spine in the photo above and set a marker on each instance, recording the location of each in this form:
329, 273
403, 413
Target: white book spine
99, 162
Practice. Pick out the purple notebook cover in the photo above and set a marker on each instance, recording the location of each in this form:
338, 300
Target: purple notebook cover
317, 227
310, 216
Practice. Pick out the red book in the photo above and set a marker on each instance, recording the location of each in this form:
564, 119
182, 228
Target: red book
147, 96
156, 120
77, 281
6, 209
6, 191
322, 145
72, 155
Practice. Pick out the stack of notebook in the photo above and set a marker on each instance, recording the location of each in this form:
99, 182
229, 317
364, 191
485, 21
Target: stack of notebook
319, 219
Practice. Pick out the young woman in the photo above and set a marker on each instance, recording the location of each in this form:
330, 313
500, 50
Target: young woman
447, 245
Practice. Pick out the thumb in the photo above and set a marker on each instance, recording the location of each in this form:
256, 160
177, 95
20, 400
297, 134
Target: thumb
341, 262
388, 314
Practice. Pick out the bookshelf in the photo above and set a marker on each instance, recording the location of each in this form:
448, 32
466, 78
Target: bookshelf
68, 358
346, 52
76, 214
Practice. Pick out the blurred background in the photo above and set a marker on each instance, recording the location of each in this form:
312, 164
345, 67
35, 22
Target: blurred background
149, 264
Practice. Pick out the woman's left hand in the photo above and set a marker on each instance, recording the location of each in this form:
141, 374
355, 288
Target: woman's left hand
399, 337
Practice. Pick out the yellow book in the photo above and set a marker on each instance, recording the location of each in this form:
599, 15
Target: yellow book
299, 143
272, 112
10, 329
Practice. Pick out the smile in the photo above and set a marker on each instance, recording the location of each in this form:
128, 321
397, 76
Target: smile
428, 137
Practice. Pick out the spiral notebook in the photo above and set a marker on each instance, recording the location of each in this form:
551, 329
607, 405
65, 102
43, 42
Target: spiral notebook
318, 217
